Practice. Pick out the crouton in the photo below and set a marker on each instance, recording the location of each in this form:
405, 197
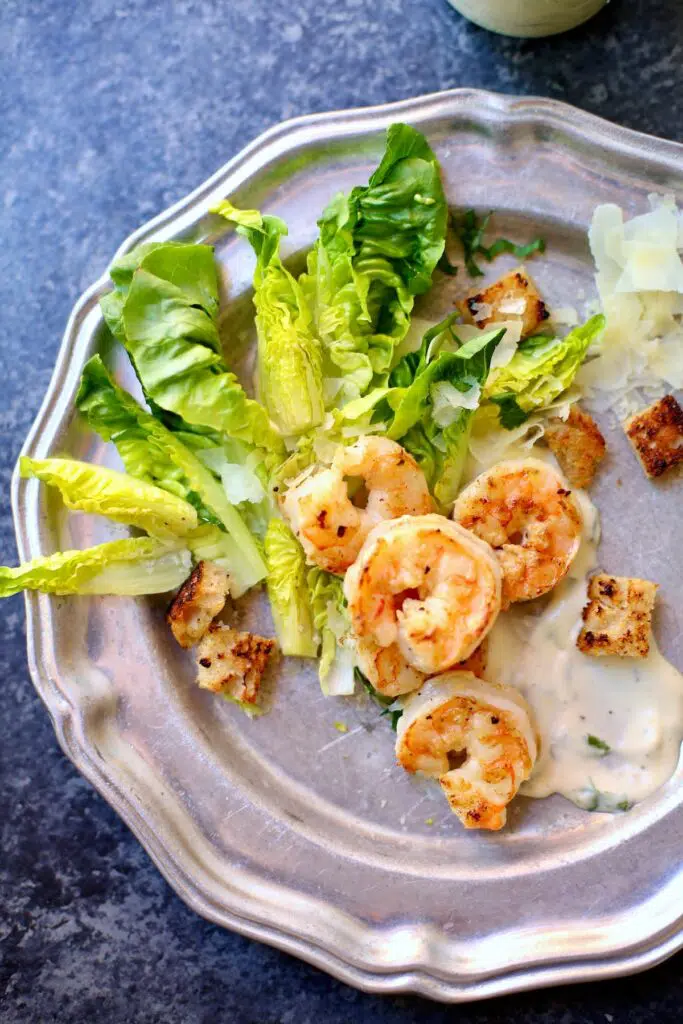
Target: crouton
477, 660
577, 444
656, 434
200, 599
512, 297
618, 617
231, 662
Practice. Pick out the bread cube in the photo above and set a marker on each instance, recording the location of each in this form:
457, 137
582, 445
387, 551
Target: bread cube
656, 434
512, 297
200, 599
232, 663
577, 444
618, 617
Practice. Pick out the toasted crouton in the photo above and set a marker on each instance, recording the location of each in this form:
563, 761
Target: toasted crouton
231, 662
512, 297
200, 599
577, 444
477, 660
656, 434
618, 617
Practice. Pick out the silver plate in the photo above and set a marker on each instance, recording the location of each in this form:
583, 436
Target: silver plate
283, 828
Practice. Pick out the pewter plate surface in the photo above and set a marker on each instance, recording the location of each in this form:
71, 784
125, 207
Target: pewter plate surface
282, 828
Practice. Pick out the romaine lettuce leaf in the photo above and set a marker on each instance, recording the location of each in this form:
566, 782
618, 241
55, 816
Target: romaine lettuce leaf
440, 447
129, 567
430, 403
333, 626
288, 591
118, 496
376, 251
290, 379
164, 311
155, 454
540, 370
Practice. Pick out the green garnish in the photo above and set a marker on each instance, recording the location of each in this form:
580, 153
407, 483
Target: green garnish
470, 230
341, 727
446, 267
598, 744
386, 703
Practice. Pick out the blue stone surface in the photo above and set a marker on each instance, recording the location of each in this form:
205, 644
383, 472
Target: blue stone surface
109, 111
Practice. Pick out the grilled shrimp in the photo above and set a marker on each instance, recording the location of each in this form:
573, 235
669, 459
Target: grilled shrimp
428, 586
525, 511
387, 669
329, 525
491, 725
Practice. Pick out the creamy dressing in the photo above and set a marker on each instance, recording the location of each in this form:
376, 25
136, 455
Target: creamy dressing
634, 706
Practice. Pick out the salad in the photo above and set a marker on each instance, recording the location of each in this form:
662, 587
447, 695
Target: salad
410, 493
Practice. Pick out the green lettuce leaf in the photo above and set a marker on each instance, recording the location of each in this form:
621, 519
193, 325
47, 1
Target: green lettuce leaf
438, 436
155, 454
164, 311
129, 567
430, 406
288, 591
118, 496
290, 378
377, 250
538, 373
333, 626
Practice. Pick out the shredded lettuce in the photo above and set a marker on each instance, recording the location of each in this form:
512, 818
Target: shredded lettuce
155, 454
129, 567
118, 496
332, 624
377, 250
288, 591
164, 311
541, 369
290, 379
241, 482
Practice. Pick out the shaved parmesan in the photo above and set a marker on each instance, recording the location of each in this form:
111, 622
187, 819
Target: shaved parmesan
481, 310
640, 282
513, 307
488, 444
447, 401
507, 346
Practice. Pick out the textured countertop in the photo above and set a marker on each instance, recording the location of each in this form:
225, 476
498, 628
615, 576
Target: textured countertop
109, 111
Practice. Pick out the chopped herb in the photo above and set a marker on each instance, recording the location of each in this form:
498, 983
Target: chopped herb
511, 414
386, 703
446, 267
590, 797
470, 230
598, 744
520, 252
340, 727
429, 821
624, 805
